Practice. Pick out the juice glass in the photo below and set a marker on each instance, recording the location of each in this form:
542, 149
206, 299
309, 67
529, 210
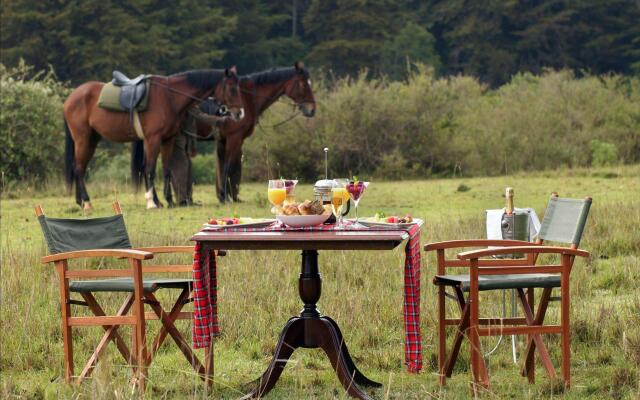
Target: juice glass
276, 193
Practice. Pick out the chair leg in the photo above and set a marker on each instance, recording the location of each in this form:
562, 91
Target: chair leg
478, 370
442, 334
65, 308
172, 316
208, 360
564, 317
139, 328
531, 366
168, 326
457, 342
535, 340
111, 334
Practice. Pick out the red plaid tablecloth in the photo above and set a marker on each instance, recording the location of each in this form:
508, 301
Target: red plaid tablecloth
205, 316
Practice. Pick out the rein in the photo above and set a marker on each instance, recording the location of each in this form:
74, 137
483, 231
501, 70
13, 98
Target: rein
255, 95
180, 92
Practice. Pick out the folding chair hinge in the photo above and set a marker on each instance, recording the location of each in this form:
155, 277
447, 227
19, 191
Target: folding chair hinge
151, 302
187, 301
77, 302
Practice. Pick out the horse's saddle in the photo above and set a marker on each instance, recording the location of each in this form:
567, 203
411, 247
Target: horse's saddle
132, 90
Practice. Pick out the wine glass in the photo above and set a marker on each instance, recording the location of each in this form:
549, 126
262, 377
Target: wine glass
356, 190
290, 188
339, 198
276, 193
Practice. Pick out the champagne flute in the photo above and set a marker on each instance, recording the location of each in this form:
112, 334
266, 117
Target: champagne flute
356, 190
276, 193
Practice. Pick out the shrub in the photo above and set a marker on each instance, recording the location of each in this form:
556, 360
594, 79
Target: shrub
603, 153
31, 134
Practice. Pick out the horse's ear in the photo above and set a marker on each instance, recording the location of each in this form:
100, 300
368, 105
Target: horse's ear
299, 66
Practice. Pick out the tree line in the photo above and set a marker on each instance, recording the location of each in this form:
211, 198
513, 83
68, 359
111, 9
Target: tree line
489, 39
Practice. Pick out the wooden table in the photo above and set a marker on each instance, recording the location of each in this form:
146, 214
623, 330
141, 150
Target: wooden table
310, 329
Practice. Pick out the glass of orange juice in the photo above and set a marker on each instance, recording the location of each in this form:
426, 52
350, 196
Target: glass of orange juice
276, 194
339, 199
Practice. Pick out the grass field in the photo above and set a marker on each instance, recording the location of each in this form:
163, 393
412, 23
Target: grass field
362, 291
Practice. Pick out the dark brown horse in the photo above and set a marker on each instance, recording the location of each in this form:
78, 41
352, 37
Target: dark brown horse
169, 99
259, 91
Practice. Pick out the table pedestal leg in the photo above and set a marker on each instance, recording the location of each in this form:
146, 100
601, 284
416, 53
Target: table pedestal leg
311, 330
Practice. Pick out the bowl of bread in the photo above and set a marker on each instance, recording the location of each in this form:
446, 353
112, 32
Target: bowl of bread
307, 213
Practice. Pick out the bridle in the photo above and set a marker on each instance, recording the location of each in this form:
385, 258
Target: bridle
296, 105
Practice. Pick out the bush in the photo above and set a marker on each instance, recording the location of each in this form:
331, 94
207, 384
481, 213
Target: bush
603, 153
31, 129
440, 127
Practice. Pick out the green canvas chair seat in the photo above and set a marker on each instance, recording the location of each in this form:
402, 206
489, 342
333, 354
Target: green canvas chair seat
126, 285
493, 282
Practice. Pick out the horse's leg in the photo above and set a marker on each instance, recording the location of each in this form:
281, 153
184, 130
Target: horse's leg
166, 151
236, 177
151, 150
220, 182
85, 147
232, 157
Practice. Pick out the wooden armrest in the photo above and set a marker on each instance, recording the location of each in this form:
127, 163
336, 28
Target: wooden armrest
167, 249
175, 249
120, 253
452, 244
474, 254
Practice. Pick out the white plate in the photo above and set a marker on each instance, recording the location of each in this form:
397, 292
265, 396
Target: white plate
299, 221
373, 222
245, 223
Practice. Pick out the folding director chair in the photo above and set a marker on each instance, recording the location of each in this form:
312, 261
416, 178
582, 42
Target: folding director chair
107, 237
563, 222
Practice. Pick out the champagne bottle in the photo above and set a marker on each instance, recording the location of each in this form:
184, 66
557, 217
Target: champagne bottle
509, 198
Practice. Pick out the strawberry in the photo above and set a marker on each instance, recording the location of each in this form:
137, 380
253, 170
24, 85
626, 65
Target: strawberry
213, 221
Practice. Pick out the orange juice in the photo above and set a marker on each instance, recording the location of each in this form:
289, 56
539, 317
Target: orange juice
277, 195
339, 197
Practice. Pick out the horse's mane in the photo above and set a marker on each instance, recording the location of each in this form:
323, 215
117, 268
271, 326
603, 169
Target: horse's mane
202, 78
273, 75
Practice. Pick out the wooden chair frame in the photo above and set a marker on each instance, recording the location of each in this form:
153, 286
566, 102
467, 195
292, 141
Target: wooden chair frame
472, 326
141, 357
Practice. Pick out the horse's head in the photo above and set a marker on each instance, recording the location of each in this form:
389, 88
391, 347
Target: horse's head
228, 92
298, 89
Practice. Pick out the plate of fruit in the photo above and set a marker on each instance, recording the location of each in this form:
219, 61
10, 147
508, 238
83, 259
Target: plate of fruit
307, 213
380, 219
219, 223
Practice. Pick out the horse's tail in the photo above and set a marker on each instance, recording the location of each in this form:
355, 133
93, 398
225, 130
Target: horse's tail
137, 163
69, 158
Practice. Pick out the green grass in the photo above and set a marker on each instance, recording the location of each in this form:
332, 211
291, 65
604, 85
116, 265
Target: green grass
362, 291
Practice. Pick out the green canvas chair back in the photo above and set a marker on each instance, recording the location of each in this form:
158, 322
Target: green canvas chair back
63, 235
564, 220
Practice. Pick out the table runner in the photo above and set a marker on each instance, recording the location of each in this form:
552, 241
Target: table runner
205, 315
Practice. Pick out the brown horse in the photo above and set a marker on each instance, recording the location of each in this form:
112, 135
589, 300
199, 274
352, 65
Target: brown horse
169, 99
259, 91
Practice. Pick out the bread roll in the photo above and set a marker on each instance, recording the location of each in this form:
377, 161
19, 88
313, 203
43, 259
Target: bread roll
305, 208
316, 207
290, 209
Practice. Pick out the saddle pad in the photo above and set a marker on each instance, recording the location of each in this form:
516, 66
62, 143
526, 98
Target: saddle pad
110, 98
